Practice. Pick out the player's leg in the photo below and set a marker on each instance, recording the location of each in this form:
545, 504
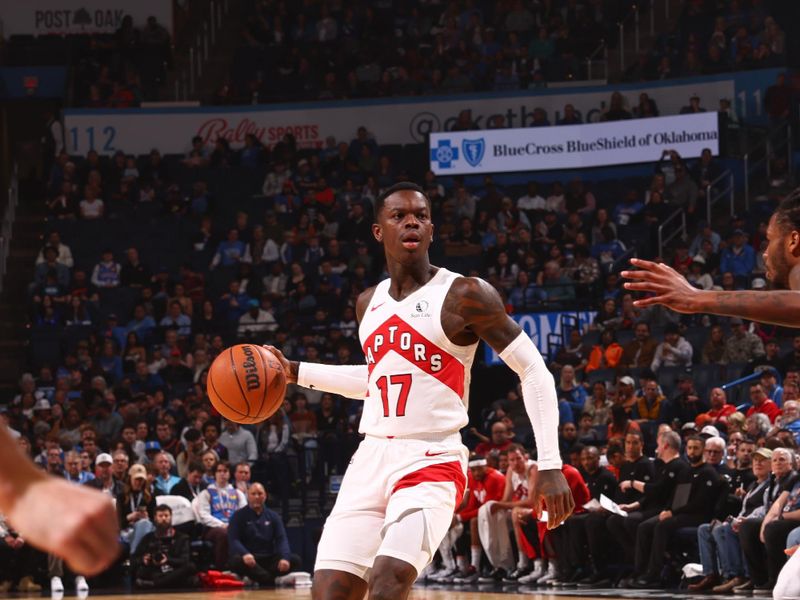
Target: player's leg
330, 584
352, 533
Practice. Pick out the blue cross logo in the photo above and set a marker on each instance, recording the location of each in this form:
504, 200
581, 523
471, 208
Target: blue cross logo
444, 154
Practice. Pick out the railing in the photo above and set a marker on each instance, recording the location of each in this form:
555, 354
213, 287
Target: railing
663, 239
731, 385
714, 194
632, 23
7, 225
758, 158
198, 50
592, 59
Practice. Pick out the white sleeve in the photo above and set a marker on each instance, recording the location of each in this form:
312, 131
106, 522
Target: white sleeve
539, 395
349, 381
204, 511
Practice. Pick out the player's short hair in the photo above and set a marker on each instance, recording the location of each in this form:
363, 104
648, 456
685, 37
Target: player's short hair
787, 215
401, 186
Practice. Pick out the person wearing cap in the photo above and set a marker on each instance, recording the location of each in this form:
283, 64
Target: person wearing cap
738, 257
151, 449
742, 345
255, 323
136, 504
764, 540
686, 404
103, 476
698, 274
719, 412
674, 351
175, 373
719, 544
760, 403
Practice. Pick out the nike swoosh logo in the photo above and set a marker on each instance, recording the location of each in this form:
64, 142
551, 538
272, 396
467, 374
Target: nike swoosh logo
377, 306
429, 453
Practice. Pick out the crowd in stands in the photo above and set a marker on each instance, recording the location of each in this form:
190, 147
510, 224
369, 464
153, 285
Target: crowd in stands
153, 265
714, 37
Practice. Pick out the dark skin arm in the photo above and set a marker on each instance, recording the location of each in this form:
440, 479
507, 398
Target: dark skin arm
474, 310
778, 307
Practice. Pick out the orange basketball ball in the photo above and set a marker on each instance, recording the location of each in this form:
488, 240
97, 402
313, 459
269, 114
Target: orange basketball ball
246, 383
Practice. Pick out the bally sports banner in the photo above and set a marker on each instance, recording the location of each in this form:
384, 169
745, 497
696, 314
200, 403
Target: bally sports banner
539, 326
572, 146
65, 17
391, 121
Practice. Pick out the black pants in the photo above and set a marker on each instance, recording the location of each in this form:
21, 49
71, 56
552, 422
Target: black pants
765, 560
652, 539
266, 568
180, 577
601, 547
578, 543
623, 530
17, 563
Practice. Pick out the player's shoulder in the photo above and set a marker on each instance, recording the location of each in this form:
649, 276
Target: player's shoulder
363, 300
471, 287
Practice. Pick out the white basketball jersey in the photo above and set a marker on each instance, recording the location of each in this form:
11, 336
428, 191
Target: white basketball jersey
418, 378
519, 483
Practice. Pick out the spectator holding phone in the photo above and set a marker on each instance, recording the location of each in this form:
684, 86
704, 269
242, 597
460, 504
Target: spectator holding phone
163, 558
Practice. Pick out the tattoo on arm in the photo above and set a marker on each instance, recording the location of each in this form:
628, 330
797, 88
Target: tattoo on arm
777, 307
484, 314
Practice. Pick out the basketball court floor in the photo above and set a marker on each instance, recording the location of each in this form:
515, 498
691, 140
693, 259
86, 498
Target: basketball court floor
487, 592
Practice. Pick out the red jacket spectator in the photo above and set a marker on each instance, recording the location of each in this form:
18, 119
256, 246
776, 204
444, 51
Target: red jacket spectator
768, 407
481, 491
578, 487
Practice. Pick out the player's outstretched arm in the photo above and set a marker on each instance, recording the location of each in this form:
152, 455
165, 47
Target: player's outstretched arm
350, 381
482, 311
778, 307
77, 523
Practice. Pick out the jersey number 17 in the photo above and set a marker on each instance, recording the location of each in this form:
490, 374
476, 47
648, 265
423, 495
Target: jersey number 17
404, 381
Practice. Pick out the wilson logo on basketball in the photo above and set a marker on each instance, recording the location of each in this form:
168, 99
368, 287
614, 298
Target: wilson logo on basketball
251, 377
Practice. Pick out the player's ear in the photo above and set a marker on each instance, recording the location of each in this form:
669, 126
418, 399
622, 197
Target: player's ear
794, 243
377, 232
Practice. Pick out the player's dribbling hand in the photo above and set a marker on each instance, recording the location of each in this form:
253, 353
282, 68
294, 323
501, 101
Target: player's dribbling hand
551, 486
78, 524
670, 287
289, 368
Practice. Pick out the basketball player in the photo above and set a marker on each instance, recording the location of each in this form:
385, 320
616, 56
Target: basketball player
419, 330
74, 522
778, 307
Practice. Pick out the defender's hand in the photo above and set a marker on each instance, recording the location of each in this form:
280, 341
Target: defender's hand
670, 287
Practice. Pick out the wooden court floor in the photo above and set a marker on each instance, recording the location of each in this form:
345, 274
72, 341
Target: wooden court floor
419, 593
305, 594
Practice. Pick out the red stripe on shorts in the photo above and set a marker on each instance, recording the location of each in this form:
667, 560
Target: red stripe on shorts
449, 471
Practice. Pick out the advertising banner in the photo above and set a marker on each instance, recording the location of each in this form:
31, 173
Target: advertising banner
32, 82
390, 121
60, 17
538, 326
572, 146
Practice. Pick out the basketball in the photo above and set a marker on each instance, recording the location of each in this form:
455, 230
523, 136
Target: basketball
246, 383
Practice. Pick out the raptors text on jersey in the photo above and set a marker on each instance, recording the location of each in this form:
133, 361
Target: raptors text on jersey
418, 378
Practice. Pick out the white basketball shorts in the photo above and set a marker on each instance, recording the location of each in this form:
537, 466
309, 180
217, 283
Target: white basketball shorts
397, 499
